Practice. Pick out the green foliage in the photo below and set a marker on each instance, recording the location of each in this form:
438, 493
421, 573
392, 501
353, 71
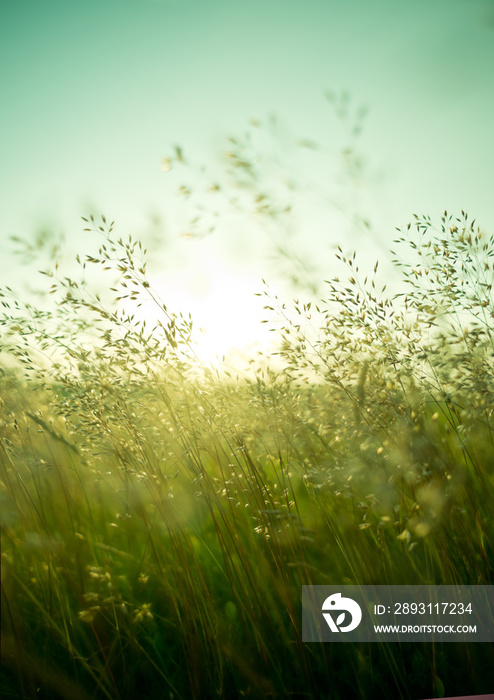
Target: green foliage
158, 522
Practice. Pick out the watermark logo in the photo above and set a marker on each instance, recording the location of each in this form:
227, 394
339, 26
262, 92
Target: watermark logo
413, 613
336, 604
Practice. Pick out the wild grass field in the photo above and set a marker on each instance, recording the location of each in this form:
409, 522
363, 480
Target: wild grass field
158, 522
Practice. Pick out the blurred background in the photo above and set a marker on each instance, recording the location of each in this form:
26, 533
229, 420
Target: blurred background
239, 141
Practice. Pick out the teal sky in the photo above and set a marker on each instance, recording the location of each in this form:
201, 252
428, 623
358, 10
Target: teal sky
95, 94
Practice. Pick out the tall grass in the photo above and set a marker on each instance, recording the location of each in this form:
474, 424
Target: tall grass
159, 521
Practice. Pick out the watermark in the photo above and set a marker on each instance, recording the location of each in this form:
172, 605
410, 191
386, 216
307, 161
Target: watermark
490, 696
398, 613
335, 603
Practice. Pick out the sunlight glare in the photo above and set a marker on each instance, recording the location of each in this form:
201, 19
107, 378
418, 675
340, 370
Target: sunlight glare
226, 313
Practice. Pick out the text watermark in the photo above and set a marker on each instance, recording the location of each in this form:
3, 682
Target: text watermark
398, 613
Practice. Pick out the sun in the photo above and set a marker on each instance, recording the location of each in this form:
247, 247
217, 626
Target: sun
227, 315
228, 325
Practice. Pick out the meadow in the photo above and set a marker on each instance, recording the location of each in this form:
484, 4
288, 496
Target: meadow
159, 520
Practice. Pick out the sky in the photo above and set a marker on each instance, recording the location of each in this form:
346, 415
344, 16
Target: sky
96, 94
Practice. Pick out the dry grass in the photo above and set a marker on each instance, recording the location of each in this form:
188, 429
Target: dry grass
158, 523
